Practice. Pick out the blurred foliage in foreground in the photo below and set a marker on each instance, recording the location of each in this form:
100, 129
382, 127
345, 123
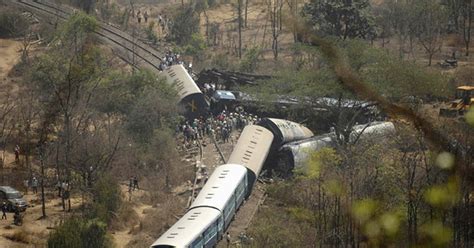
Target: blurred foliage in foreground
389, 193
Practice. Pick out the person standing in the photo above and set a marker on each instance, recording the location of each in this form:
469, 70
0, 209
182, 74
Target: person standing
34, 185
4, 210
135, 183
227, 238
17, 153
26, 184
17, 217
145, 15
139, 16
131, 184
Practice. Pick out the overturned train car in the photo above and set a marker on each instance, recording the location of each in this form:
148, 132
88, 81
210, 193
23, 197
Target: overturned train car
295, 155
285, 131
191, 99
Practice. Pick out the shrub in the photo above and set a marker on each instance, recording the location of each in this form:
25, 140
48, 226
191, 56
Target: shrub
150, 33
250, 61
78, 233
106, 199
12, 23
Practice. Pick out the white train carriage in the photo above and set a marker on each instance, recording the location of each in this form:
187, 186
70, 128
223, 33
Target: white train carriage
196, 229
285, 131
251, 151
189, 94
225, 191
374, 130
295, 154
180, 78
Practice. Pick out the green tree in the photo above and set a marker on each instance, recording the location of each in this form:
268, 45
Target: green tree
196, 47
185, 24
12, 23
65, 79
154, 109
340, 18
250, 61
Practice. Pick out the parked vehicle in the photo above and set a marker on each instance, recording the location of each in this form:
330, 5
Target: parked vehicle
464, 99
13, 198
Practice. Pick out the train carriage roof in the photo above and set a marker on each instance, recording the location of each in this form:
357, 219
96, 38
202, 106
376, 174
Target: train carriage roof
220, 186
285, 131
252, 148
186, 229
179, 77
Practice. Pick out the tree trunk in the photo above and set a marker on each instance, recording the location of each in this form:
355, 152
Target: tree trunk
239, 10
27, 149
246, 10
43, 205
467, 20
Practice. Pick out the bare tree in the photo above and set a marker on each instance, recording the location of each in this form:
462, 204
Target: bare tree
294, 12
467, 9
431, 24
7, 107
26, 44
27, 114
275, 13
246, 12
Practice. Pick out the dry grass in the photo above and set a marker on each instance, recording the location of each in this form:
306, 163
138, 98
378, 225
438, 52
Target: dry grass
453, 40
20, 236
156, 221
126, 217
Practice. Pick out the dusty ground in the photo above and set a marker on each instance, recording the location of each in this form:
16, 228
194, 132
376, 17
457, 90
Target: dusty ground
34, 230
9, 54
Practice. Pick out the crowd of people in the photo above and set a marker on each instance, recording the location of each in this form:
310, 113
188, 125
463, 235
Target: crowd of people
219, 127
170, 59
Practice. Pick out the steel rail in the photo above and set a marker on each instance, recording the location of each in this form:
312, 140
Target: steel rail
109, 34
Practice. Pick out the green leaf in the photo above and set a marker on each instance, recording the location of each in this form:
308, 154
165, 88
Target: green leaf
363, 210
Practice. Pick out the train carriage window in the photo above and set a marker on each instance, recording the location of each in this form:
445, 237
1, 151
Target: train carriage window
210, 232
198, 243
229, 209
220, 224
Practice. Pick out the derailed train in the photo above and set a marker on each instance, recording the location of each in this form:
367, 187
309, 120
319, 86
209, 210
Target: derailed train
230, 184
294, 155
190, 96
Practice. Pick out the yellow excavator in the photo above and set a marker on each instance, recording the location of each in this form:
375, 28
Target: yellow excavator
464, 100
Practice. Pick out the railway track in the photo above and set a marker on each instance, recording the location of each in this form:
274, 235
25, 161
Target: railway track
149, 57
